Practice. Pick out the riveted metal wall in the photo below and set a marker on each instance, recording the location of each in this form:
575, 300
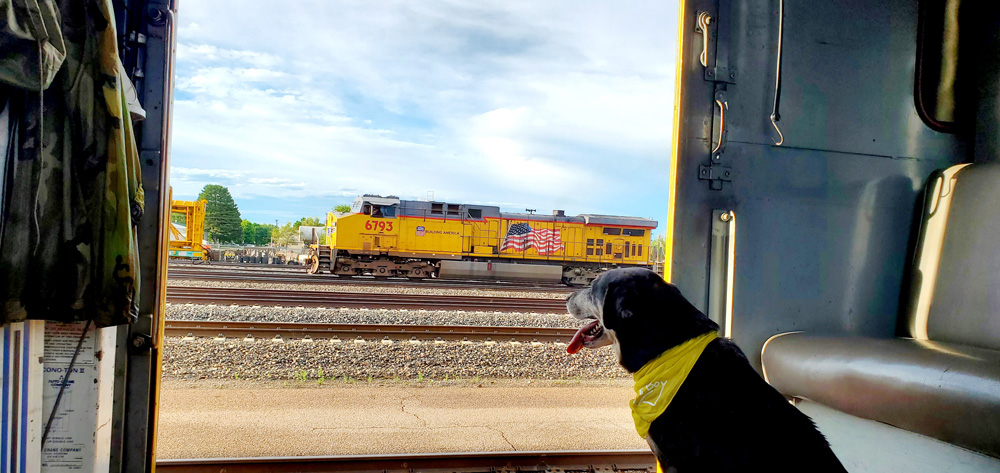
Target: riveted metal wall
824, 219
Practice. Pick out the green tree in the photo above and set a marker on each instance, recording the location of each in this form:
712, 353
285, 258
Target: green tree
264, 233
342, 208
256, 234
249, 232
658, 248
222, 216
246, 232
285, 234
308, 222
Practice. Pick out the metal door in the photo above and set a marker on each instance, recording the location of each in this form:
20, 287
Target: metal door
385, 242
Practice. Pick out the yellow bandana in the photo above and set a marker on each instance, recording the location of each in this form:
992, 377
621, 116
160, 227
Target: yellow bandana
657, 382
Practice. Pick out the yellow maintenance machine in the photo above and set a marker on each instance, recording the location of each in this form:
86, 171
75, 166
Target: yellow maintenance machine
188, 243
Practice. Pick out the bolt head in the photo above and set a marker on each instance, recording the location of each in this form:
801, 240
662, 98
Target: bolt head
725, 217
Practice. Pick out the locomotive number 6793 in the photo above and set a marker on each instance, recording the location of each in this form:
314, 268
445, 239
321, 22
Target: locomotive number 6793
378, 225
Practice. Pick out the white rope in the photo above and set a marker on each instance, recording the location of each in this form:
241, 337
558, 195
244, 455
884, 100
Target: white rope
41, 140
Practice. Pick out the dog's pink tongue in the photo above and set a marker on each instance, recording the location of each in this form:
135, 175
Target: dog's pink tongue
576, 344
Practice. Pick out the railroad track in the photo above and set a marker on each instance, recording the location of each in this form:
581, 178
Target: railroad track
315, 331
229, 296
289, 277
621, 461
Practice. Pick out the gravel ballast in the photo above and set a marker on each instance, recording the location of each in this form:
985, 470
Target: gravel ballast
367, 316
204, 358
369, 289
375, 360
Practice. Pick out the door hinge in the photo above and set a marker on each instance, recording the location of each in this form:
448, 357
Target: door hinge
715, 175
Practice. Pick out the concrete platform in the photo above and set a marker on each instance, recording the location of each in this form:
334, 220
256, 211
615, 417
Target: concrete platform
244, 418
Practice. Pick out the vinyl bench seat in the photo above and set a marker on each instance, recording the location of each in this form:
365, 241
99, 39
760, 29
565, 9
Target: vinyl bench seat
947, 391
942, 377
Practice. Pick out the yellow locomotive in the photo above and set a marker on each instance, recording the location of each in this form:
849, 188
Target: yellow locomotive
386, 236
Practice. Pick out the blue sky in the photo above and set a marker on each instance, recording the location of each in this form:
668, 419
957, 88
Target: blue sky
543, 105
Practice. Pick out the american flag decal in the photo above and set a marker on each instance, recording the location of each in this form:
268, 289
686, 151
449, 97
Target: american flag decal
520, 237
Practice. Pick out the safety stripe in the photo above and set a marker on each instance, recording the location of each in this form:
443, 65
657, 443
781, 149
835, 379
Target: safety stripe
4, 448
26, 347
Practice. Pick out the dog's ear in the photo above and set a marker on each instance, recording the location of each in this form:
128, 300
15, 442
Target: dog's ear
622, 299
649, 316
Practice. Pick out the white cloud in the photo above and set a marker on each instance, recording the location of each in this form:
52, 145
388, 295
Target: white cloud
207, 53
194, 173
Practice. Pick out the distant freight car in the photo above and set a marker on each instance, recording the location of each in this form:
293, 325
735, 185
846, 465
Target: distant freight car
386, 236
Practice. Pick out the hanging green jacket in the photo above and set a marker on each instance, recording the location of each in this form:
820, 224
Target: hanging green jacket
32, 42
67, 246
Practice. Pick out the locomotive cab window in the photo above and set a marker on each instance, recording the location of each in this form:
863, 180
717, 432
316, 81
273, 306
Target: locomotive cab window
437, 209
634, 232
476, 213
612, 231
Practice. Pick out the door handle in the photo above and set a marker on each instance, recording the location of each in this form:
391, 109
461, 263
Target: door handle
722, 270
723, 106
702, 27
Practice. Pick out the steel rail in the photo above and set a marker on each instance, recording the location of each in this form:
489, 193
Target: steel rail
287, 277
480, 462
228, 329
238, 296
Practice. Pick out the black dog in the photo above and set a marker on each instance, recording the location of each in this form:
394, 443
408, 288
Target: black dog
724, 417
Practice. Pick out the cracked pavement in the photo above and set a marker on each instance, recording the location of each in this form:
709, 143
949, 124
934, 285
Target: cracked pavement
237, 419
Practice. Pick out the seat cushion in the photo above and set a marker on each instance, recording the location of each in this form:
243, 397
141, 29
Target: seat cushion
947, 391
966, 304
